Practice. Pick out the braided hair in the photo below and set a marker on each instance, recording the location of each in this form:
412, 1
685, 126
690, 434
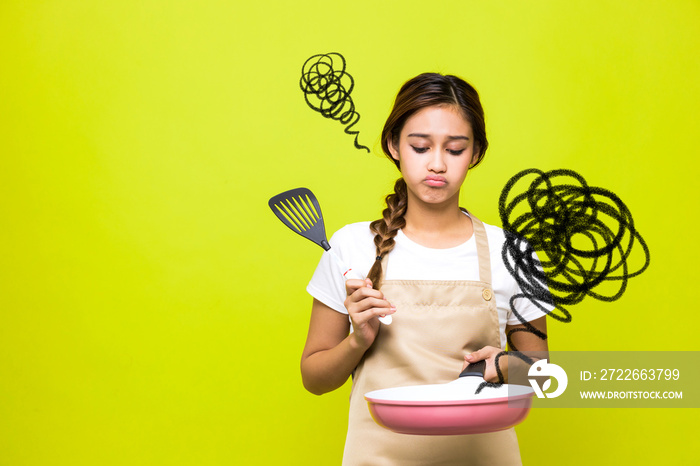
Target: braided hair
385, 228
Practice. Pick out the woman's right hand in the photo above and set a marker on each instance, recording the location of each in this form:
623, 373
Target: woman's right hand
365, 305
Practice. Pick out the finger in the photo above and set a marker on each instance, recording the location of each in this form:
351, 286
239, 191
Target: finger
369, 303
487, 352
353, 284
372, 313
474, 356
366, 292
383, 312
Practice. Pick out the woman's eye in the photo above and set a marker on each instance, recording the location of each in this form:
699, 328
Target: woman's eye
455, 152
420, 150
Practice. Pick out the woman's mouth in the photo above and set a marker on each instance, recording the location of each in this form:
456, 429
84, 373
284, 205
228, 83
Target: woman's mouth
435, 181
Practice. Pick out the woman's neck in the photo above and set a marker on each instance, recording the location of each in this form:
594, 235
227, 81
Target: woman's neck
437, 226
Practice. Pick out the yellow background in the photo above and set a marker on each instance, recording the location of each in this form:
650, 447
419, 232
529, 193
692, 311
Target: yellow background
152, 309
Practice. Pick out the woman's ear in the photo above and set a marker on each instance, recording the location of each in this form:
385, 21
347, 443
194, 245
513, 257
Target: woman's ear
475, 157
394, 151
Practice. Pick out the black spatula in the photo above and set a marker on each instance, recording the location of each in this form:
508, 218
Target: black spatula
300, 211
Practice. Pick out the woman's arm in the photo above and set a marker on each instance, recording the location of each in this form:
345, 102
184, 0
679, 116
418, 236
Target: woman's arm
523, 341
527, 341
329, 357
330, 354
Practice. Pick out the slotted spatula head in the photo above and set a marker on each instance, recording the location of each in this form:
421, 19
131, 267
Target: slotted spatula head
300, 211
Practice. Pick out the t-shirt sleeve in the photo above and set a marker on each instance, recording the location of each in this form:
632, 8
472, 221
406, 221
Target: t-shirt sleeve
528, 308
328, 283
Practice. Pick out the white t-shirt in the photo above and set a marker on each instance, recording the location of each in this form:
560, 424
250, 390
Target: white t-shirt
409, 260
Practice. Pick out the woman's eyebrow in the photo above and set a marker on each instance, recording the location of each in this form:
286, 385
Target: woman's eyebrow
427, 136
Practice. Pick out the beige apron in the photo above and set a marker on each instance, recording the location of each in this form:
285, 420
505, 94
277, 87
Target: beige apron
436, 324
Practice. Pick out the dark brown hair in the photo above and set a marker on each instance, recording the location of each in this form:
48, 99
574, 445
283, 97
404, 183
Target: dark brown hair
425, 90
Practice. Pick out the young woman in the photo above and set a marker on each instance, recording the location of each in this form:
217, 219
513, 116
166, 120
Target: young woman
436, 268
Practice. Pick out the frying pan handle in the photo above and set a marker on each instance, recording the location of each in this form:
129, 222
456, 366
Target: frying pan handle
474, 369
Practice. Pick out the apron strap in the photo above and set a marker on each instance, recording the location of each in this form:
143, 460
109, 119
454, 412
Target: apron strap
482, 249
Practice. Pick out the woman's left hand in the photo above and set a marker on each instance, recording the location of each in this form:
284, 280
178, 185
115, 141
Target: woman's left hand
488, 354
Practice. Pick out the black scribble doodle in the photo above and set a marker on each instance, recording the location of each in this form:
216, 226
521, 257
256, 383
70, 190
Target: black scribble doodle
327, 88
583, 236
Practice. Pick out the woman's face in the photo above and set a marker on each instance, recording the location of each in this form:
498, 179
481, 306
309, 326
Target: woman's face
435, 149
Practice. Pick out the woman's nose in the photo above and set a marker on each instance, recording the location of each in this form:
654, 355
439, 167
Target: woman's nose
437, 161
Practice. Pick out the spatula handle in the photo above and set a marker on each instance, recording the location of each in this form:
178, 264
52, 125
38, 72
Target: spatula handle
349, 273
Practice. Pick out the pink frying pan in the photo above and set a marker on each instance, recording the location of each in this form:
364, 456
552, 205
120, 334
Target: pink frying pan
451, 408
